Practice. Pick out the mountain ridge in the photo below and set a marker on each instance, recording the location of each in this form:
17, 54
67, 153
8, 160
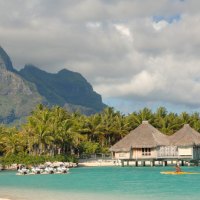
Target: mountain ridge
5, 61
31, 86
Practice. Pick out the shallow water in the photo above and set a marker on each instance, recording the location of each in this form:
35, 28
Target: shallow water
106, 183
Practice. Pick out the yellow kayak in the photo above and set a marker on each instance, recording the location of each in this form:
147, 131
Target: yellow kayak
179, 173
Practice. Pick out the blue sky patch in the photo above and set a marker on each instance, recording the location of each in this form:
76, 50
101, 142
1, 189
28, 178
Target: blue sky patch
169, 19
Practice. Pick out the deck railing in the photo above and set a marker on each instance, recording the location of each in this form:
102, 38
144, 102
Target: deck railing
167, 152
167, 155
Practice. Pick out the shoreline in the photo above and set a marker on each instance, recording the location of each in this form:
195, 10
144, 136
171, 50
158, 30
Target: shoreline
14, 166
98, 163
4, 199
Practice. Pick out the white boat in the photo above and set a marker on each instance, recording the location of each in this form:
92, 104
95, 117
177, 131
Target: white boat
50, 170
46, 170
37, 170
23, 171
62, 169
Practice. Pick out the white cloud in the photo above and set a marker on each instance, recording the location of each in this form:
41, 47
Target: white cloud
141, 84
158, 26
124, 30
93, 24
115, 44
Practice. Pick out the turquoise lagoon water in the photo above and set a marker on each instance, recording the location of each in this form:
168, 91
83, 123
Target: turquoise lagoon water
106, 183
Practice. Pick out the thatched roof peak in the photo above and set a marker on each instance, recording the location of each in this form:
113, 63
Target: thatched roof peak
144, 136
186, 136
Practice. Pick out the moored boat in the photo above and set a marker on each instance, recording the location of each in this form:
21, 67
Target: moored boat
62, 169
37, 170
23, 171
47, 170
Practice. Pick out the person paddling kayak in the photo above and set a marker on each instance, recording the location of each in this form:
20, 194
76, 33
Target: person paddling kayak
178, 169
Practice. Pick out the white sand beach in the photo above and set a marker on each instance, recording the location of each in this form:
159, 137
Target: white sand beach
100, 162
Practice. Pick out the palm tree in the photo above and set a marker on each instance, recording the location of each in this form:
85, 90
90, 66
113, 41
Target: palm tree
121, 127
145, 114
185, 118
195, 121
12, 141
57, 116
106, 127
91, 127
38, 128
136, 118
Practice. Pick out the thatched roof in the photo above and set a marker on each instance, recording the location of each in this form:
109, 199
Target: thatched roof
144, 136
186, 136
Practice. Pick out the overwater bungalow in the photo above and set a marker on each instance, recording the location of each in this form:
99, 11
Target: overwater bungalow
141, 143
187, 141
146, 143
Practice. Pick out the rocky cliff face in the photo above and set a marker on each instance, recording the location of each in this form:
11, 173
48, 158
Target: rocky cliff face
5, 62
12, 84
17, 96
65, 87
21, 91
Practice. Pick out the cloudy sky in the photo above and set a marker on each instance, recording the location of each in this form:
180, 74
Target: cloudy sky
135, 53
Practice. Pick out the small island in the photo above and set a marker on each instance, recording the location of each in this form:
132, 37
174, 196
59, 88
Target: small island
56, 135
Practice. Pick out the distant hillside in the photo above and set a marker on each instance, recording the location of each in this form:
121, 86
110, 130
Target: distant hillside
17, 96
21, 91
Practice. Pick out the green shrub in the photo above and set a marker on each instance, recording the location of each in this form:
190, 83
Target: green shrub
88, 147
34, 160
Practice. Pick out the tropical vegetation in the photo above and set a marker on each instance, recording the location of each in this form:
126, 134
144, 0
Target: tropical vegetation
55, 134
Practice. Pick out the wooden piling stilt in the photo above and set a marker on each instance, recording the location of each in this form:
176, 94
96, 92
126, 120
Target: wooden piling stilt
164, 163
128, 163
152, 163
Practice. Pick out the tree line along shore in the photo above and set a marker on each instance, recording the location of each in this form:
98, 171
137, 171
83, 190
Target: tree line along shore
54, 134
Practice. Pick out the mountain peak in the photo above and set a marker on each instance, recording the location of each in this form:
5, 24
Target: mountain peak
63, 87
21, 90
5, 61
